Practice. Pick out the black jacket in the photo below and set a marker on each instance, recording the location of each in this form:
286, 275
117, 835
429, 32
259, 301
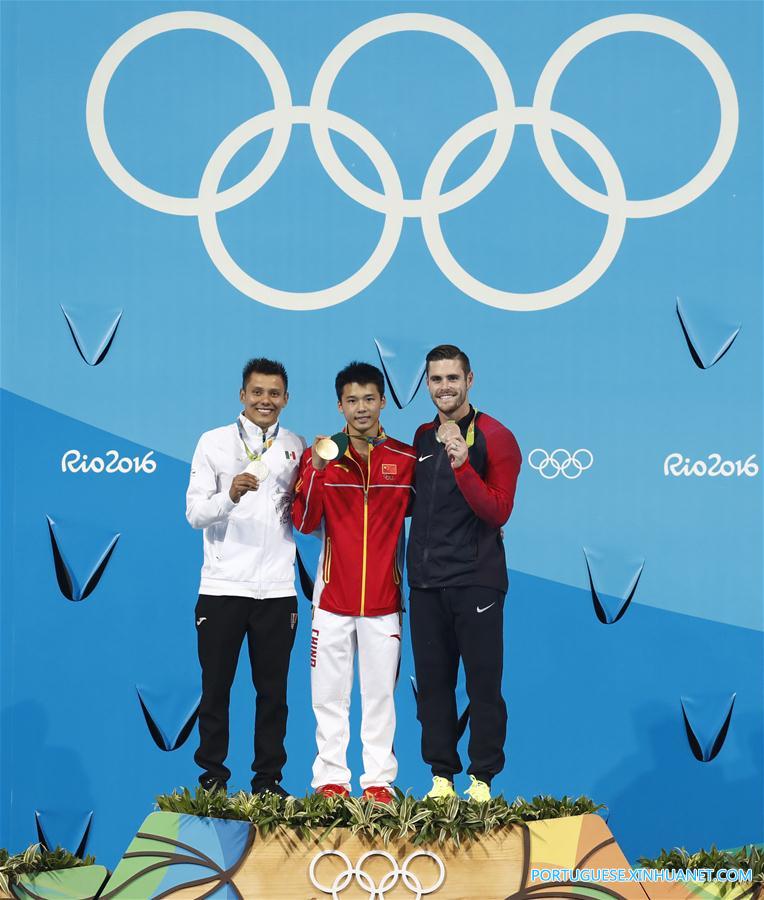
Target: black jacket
457, 514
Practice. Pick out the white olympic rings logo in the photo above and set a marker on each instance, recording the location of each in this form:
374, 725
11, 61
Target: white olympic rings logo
391, 202
561, 462
388, 881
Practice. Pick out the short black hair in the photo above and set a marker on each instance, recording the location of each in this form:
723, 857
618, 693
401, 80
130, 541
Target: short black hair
448, 351
359, 373
263, 366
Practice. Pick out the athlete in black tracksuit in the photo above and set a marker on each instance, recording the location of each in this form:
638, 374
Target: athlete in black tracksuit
458, 579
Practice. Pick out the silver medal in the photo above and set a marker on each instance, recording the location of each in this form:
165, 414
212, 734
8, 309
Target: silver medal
259, 469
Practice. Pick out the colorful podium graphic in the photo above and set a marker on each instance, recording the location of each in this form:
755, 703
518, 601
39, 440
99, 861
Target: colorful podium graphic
182, 856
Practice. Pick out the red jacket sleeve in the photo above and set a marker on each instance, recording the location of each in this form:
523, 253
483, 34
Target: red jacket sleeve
308, 506
492, 499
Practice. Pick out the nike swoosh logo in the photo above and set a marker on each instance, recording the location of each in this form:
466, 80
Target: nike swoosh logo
485, 607
423, 458
203, 619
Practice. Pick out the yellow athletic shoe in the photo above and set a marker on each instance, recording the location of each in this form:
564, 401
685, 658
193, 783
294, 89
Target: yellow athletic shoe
442, 789
478, 791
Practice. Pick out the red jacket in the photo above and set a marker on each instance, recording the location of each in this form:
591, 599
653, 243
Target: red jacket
363, 506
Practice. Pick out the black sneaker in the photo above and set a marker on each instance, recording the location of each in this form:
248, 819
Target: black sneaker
210, 783
271, 787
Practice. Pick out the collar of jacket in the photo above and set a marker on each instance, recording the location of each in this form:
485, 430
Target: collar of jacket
380, 438
255, 431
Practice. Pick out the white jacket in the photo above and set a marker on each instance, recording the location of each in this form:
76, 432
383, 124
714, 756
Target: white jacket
248, 546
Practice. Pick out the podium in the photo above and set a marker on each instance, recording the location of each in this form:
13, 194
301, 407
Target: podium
187, 857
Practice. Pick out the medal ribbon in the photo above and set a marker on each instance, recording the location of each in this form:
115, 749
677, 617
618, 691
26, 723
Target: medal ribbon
372, 441
266, 443
470, 439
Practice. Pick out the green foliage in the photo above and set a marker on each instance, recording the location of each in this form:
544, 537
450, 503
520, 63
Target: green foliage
750, 856
418, 821
36, 859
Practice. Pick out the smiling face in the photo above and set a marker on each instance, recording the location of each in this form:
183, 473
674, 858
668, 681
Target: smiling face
449, 387
361, 405
263, 398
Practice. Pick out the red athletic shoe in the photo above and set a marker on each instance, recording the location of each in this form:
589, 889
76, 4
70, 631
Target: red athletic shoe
379, 794
332, 790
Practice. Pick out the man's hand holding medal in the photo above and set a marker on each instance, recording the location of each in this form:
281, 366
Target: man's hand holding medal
321, 452
326, 448
249, 480
455, 446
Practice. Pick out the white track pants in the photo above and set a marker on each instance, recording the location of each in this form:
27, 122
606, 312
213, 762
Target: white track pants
334, 642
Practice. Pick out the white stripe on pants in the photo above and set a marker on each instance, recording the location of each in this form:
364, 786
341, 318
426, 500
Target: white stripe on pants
334, 641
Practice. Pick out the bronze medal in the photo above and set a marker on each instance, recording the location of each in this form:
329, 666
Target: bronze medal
446, 431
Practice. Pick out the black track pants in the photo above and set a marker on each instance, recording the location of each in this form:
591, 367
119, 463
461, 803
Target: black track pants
446, 624
269, 626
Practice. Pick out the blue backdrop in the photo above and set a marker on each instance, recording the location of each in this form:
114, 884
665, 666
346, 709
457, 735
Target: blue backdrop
120, 331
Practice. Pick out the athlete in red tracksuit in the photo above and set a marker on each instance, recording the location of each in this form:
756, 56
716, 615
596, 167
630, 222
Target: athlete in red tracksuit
360, 499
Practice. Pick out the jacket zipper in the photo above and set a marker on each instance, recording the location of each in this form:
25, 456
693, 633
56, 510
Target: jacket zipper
328, 561
366, 480
426, 551
365, 528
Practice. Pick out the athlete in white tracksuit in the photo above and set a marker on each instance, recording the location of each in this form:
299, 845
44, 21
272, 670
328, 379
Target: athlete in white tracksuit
240, 492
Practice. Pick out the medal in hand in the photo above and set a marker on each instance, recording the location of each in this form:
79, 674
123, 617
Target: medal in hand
259, 469
447, 430
333, 447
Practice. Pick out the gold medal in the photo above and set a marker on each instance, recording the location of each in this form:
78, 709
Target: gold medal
327, 449
259, 469
333, 447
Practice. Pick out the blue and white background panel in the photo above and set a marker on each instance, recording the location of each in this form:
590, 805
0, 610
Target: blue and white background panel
569, 191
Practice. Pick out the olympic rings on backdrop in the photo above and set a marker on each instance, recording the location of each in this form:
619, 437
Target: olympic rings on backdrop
599, 263
701, 50
561, 462
390, 201
178, 21
389, 879
484, 56
213, 242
